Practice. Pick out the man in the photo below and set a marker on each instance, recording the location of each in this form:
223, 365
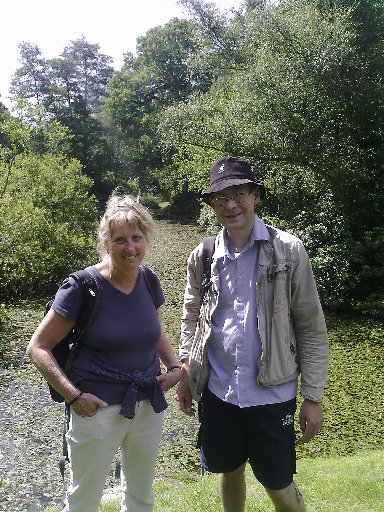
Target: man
244, 343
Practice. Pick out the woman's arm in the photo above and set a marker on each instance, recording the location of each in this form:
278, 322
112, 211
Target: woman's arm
52, 329
169, 360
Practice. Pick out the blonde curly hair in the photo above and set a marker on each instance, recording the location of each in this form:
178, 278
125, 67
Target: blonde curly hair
122, 209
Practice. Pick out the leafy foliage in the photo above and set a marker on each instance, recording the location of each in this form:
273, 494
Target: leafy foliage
298, 96
294, 87
207, 220
160, 75
46, 215
70, 89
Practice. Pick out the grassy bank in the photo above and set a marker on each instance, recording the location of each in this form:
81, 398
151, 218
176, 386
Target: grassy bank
354, 483
30, 424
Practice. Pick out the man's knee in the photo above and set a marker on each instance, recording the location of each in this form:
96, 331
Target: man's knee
287, 499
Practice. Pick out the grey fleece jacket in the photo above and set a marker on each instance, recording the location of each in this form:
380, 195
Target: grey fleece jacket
291, 322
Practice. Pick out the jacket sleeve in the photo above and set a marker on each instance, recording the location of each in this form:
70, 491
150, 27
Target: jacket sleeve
310, 328
192, 301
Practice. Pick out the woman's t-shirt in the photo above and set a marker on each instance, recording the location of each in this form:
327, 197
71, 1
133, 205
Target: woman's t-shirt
123, 335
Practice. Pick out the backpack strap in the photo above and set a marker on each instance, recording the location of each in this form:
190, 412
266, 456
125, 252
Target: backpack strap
153, 284
208, 249
63, 352
90, 301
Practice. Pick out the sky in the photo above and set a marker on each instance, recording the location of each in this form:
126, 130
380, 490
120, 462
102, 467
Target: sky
53, 24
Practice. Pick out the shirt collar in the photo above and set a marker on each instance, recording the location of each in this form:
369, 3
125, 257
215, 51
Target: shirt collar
259, 232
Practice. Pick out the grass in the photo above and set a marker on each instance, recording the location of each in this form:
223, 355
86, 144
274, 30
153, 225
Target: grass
30, 424
353, 483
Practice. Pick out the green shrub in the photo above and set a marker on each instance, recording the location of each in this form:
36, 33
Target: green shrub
373, 305
153, 203
184, 203
47, 220
333, 275
110, 180
327, 238
207, 220
276, 222
367, 265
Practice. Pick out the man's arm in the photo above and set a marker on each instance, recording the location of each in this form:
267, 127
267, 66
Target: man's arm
189, 319
313, 345
310, 328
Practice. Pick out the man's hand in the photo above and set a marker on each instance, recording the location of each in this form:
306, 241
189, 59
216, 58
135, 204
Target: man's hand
184, 397
310, 419
183, 394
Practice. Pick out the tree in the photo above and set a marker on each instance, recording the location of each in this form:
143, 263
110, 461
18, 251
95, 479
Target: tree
31, 80
71, 89
79, 77
300, 98
160, 75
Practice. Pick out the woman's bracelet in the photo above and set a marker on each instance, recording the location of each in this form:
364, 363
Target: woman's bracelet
76, 398
172, 368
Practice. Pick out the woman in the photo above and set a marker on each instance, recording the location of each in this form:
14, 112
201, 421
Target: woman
113, 386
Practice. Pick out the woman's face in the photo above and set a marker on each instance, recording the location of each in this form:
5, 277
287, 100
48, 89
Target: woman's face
127, 247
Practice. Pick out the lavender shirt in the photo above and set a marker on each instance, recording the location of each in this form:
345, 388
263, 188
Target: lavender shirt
123, 335
234, 347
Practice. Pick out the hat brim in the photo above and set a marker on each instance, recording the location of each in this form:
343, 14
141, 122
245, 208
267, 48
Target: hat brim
226, 183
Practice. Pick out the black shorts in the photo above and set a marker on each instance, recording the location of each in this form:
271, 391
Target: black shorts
264, 435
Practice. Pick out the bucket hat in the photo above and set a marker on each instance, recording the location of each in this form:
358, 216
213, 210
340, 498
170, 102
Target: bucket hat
229, 172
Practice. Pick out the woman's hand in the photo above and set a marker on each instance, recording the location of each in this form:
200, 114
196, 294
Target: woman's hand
169, 379
88, 405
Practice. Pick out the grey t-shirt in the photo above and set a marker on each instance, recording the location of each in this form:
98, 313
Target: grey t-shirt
123, 335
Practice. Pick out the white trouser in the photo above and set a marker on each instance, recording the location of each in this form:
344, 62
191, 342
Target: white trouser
92, 445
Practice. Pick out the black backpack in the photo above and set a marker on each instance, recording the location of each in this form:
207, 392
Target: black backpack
64, 350
90, 302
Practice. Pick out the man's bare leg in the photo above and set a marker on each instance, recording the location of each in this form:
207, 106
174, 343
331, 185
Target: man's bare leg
288, 499
233, 490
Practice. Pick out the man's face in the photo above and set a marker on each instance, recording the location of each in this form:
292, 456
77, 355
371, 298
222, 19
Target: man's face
234, 207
